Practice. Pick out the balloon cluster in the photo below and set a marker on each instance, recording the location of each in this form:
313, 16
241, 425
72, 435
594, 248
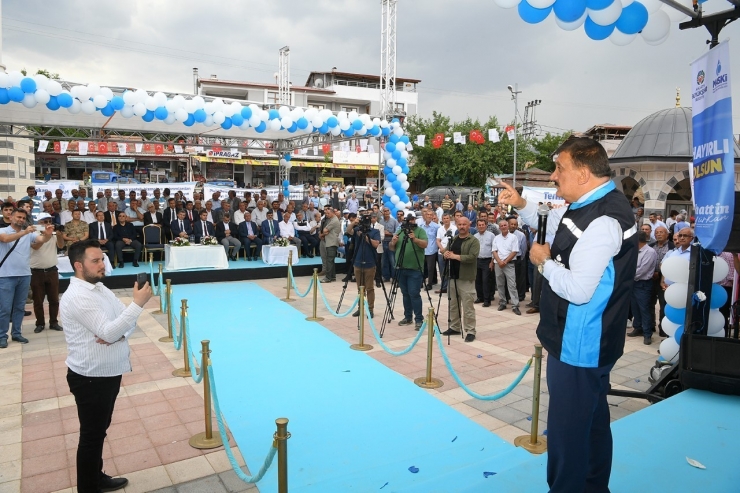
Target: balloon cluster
38, 89
396, 170
676, 270
285, 163
618, 20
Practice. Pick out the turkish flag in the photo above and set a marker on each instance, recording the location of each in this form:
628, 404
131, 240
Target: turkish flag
326, 148
147, 147
217, 148
102, 148
57, 147
358, 149
476, 136
510, 131
158, 149
438, 140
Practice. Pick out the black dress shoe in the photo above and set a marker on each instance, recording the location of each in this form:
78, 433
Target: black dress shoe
501, 308
486, 304
26, 313
469, 338
662, 334
516, 310
441, 291
108, 483
38, 329
530, 304
135, 264
478, 300
450, 332
56, 327
634, 333
20, 339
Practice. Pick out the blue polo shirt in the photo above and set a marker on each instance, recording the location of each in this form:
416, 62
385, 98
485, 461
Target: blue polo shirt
364, 252
18, 262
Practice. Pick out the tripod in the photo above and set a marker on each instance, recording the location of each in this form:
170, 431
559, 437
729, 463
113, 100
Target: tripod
446, 275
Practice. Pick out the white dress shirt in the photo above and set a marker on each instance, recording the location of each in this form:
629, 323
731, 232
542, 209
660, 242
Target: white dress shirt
287, 230
89, 217
101, 230
259, 216
504, 245
89, 311
239, 217
153, 216
442, 234
380, 229
65, 217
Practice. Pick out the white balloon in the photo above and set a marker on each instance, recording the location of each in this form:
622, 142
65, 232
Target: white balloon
4, 80
160, 98
335, 131
717, 333
254, 120
286, 122
343, 124
274, 125
209, 108
668, 326
128, 97
170, 119
716, 321
199, 103
540, 4
178, 101
75, 108
15, 78
361, 131
41, 81
652, 6
126, 111
626, 2
620, 39
676, 293
228, 110
237, 107
180, 115
42, 96
342, 115
218, 118
170, 106
397, 170
107, 93
507, 4
571, 26
384, 124
352, 115
658, 26
669, 350
404, 153
607, 16
29, 100
389, 191
391, 163
405, 185
208, 122
395, 199
54, 88
720, 269
676, 269
139, 109
317, 122
94, 89
398, 131
88, 107
218, 104
402, 177
150, 103
659, 42
100, 101
283, 111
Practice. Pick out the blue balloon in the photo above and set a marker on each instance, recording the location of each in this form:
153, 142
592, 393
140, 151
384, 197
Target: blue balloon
200, 116
349, 132
227, 123
357, 124
569, 10
148, 116
532, 15
116, 102
28, 85
675, 315
273, 114
391, 177
190, 121
286, 192
397, 154
633, 19
332, 121
387, 170
4, 97
374, 131
405, 139
405, 169
161, 113
719, 297
293, 128
303, 123
598, 4
65, 101
677, 335
106, 110
402, 162
415, 197
246, 112
53, 104
261, 127
394, 138
390, 147
397, 186
385, 131
287, 157
286, 183
597, 32
237, 119
395, 120
324, 129
16, 94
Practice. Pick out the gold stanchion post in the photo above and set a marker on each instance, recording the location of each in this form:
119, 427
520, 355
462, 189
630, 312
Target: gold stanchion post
533, 443
315, 317
427, 382
280, 439
362, 346
168, 296
185, 370
161, 288
206, 439
290, 273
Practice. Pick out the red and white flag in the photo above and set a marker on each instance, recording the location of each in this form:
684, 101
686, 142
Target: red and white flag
510, 131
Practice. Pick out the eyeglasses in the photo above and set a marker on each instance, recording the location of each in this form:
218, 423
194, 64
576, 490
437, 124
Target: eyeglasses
685, 236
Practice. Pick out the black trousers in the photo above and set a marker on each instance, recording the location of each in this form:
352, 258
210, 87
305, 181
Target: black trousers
659, 297
520, 273
430, 271
482, 280
95, 398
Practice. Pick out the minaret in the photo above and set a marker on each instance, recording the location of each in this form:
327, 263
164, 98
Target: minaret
678, 97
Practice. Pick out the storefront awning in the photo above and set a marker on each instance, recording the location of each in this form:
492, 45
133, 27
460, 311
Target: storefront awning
295, 162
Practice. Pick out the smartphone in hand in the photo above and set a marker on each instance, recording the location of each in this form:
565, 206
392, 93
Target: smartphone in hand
142, 279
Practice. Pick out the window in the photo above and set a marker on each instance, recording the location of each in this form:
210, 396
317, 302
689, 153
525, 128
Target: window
316, 106
21, 167
400, 107
272, 97
348, 108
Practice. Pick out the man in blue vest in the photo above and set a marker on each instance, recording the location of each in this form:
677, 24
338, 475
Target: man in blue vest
588, 265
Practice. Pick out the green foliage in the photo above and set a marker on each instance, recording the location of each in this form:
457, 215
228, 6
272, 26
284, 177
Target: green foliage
43, 71
457, 164
544, 147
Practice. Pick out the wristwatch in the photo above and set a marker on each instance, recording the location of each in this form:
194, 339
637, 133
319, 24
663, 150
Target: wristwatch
541, 265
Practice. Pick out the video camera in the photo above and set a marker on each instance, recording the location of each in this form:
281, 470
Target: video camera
364, 222
409, 224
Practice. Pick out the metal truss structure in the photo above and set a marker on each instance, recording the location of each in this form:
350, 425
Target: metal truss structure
284, 76
388, 58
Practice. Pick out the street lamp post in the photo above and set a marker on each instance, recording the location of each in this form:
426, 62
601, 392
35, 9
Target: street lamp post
515, 92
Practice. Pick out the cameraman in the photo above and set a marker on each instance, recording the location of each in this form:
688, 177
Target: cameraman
365, 240
410, 263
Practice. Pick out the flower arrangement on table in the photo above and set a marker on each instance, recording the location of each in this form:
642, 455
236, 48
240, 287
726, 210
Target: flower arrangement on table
209, 240
180, 242
280, 242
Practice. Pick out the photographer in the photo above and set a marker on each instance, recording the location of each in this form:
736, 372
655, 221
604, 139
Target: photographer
365, 240
410, 261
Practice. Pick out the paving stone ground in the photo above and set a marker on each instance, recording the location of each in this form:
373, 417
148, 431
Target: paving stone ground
157, 413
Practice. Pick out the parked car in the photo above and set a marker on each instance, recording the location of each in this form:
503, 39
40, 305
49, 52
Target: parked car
436, 194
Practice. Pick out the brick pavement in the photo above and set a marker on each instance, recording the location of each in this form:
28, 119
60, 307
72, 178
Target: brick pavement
156, 413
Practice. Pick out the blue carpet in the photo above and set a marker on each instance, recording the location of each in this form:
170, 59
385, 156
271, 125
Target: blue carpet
356, 425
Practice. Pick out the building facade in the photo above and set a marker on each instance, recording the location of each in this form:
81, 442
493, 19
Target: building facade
17, 164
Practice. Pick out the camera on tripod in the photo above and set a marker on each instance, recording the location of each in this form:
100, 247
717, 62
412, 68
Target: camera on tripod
365, 222
409, 224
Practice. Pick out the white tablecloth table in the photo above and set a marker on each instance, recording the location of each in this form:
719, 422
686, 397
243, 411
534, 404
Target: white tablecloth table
64, 266
195, 257
274, 255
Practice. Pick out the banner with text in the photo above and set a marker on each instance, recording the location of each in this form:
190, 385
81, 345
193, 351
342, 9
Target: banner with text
65, 186
272, 192
544, 195
187, 188
713, 164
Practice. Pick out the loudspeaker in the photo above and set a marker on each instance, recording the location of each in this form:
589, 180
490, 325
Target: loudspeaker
733, 243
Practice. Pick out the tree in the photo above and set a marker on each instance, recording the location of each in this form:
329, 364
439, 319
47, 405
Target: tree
544, 147
43, 71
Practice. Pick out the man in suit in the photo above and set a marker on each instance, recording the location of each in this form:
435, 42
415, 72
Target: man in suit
152, 217
218, 214
471, 214
103, 232
270, 229
124, 235
203, 227
226, 233
190, 214
248, 234
181, 226
169, 215
111, 215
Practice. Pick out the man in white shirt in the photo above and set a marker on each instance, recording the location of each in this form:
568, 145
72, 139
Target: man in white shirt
66, 216
144, 200
484, 264
654, 223
505, 248
287, 230
239, 214
446, 231
97, 327
89, 215
135, 214
260, 213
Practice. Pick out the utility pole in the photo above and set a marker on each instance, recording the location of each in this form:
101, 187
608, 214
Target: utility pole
515, 92
387, 70
529, 127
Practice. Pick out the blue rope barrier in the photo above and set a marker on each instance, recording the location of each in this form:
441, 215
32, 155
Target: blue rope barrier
470, 392
176, 334
382, 344
156, 290
193, 372
332, 311
295, 287
225, 439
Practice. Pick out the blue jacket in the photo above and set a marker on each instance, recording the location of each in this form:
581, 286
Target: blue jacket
266, 236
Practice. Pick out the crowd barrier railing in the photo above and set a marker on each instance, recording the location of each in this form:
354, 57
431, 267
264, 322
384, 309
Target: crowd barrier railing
534, 443
361, 346
290, 276
156, 288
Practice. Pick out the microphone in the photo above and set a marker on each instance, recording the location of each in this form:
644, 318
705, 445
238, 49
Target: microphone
542, 212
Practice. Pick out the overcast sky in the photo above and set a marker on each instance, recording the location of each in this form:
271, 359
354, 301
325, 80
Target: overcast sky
464, 51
